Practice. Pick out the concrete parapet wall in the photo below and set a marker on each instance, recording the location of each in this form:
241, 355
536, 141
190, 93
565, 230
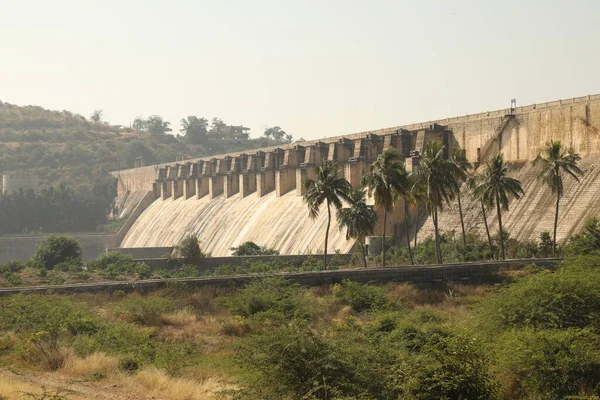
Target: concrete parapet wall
144, 253
21, 247
212, 263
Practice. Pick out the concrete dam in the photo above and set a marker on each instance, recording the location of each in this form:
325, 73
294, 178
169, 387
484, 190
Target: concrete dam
257, 195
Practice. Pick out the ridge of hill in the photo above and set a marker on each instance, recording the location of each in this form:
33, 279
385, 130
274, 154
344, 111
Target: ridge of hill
67, 148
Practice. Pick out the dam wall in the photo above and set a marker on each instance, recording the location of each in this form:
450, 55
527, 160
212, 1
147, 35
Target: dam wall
257, 195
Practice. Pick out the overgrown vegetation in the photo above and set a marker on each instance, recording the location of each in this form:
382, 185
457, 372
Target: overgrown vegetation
534, 336
252, 249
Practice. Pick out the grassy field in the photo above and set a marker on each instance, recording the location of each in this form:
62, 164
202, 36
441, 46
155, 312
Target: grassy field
534, 335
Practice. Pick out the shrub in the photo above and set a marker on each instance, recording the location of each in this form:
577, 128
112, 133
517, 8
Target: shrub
56, 249
252, 249
189, 250
293, 362
145, 310
270, 298
567, 298
361, 297
115, 264
586, 242
550, 364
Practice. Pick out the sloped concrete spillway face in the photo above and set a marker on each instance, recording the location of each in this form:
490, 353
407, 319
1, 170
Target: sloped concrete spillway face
534, 212
275, 222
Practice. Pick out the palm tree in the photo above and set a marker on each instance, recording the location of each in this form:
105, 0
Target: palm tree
359, 219
472, 183
326, 188
385, 181
459, 159
417, 198
411, 199
496, 188
437, 175
554, 160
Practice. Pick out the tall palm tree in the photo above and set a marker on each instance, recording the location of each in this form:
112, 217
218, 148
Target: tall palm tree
358, 219
554, 160
411, 199
385, 181
459, 159
326, 188
418, 200
472, 183
496, 188
437, 175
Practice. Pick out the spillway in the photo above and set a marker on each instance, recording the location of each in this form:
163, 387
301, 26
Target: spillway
533, 213
275, 222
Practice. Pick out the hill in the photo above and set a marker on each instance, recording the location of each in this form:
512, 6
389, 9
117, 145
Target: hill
70, 149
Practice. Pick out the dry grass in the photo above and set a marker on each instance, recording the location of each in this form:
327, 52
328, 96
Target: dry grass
158, 383
95, 363
12, 388
413, 296
189, 327
181, 317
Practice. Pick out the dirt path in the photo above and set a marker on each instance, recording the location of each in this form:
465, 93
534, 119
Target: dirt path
16, 385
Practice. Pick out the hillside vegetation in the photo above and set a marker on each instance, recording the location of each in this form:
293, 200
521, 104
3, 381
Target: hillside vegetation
70, 149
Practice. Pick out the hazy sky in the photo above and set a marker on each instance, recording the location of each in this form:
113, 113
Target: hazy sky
315, 68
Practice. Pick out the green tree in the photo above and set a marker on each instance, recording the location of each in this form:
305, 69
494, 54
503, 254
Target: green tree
277, 134
156, 126
554, 160
462, 164
473, 183
326, 188
96, 116
57, 249
497, 188
437, 175
385, 181
194, 129
252, 249
217, 126
359, 219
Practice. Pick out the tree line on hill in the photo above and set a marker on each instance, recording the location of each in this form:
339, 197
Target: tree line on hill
56, 209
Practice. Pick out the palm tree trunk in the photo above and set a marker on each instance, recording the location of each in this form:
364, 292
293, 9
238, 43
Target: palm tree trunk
410, 255
487, 229
362, 249
438, 250
383, 236
462, 221
555, 224
500, 226
327, 233
417, 226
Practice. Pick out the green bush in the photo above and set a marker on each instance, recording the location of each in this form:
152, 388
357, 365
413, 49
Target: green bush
189, 250
145, 310
270, 298
114, 264
361, 297
293, 362
568, 298
550, 364
55, 250
252, 249
586, 242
